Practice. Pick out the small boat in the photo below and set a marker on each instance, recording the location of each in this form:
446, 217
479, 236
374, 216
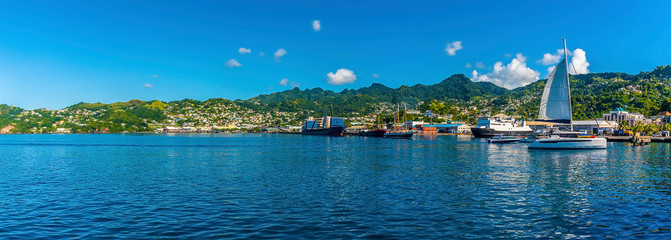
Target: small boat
399, 135
529, 139
373, 133
503, 139
556, 107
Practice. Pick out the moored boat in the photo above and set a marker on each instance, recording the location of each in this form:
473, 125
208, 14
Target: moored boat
569, 140
373, 133
494, 126
503, 139
327, 126
556, 107
399, 135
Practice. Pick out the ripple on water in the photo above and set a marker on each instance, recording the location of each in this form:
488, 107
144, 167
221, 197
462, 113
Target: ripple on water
289, 187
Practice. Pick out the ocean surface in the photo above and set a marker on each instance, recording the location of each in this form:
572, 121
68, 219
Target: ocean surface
259, 186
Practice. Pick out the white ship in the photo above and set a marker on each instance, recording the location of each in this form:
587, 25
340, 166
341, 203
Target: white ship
493, 126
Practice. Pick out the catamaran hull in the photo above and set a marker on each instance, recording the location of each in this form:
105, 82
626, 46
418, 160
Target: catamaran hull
569, 143
488, 132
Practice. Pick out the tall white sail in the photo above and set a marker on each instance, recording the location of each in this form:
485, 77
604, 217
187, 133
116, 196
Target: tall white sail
556, 100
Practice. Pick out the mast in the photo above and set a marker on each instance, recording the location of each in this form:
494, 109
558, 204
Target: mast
398, 117
568, 84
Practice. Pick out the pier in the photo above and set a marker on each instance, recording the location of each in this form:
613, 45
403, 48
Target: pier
629, 139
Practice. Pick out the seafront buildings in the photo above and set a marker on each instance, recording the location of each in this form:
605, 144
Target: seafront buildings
209, 117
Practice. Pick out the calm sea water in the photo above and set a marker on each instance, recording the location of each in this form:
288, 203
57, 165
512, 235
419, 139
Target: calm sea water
291, 187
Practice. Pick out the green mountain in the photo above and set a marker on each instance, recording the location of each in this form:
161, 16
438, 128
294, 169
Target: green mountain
363, 100
457, 96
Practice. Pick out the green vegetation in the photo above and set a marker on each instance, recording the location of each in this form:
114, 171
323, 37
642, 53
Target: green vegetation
455, 98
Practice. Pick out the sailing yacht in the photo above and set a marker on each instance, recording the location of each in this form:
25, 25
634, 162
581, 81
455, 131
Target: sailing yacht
556, 107
394, 133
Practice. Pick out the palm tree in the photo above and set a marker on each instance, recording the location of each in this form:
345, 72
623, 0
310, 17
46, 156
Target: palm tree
624, 125
638, 127
666, 127
650, 129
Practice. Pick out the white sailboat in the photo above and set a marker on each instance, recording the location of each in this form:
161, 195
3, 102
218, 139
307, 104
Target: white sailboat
556, 107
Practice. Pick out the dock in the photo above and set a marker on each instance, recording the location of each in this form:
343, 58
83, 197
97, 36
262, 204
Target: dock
629, 139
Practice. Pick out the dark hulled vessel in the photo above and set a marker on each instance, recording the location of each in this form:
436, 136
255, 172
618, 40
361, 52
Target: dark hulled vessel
328, 126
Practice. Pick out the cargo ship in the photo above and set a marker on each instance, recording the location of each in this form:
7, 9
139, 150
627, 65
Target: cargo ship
329, 126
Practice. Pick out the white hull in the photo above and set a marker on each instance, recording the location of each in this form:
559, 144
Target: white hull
569, 143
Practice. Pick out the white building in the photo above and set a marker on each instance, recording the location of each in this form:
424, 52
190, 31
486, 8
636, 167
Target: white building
620, 114
595, 126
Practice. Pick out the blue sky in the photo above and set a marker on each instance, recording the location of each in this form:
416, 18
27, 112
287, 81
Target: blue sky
57, 53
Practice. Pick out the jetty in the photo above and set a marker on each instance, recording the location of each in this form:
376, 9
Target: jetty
645, 138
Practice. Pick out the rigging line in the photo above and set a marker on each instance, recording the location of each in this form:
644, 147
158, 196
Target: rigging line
574, 70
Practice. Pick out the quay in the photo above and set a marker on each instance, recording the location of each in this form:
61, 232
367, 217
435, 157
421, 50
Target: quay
628, 139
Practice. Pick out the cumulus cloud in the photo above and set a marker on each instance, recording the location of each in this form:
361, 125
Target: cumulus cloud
279, 53
468, 65
513, 75
375, 75
453, 47
549, 58
285, 82
244, 50
479, 65
342, 76
316, 25
148, 85
233, 63
578, 63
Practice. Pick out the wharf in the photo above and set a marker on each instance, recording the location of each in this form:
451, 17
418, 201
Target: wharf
628, 139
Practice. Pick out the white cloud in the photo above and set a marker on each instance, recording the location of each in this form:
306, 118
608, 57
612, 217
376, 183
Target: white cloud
316, 25
285, 82
148, 85
578, 60
375, 75
479, 65
549, 59
452, 48
233, 63
244, 50
279, 53
342, 76
468, 65
551, 68
513, 75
